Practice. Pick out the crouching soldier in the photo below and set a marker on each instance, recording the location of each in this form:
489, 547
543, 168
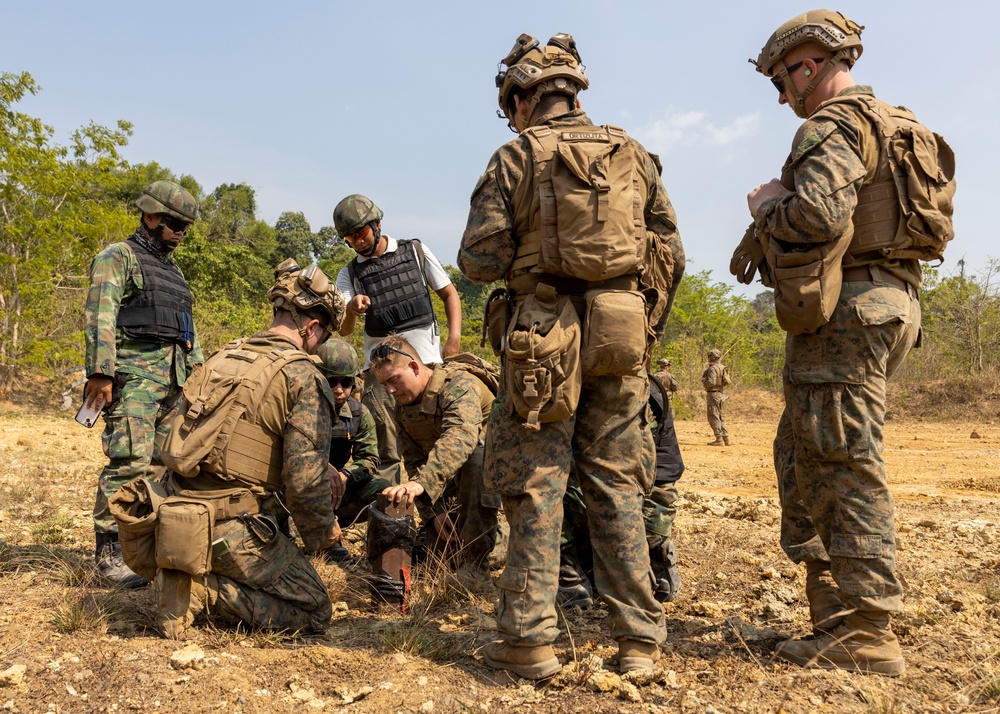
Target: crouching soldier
353, 445
248, 448
441, 413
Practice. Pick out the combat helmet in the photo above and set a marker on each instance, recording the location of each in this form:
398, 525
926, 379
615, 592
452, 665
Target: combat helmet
299, 289
555, 68
338, 359
829, 29
353, 213
715, 354
664, 362
169, 198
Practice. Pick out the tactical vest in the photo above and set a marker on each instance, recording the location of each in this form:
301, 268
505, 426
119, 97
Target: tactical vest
905, 212
423, 424
586, 208
397, 287
669, 463
216, 430
161, 311
344, 432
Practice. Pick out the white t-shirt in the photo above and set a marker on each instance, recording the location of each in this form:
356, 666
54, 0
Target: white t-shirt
425, 340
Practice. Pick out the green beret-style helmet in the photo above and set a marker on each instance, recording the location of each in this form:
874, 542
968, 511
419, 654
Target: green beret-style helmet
338, 359
553, 69
353, 213
169, 198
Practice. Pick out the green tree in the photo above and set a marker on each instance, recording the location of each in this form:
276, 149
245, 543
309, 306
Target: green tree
295, 238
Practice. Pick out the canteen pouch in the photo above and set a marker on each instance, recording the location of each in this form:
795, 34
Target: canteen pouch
541, 366
495, 316
134, 507
807, 284
184, 535
614, 333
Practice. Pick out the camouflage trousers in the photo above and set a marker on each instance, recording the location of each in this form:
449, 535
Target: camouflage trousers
605, 439
265, 581
134, 429
658, 513
715, 400
358, 496
383, 408
835, 501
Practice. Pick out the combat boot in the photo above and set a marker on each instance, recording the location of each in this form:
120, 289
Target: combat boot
719, 441
575, 589
108, 555
663, 560
531, 662
726, 439
826, 609
634, 655
180, 598
337, 553
863, 643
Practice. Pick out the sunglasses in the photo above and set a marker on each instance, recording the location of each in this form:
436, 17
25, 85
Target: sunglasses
175, 224
383, 351
344, 382
777, 81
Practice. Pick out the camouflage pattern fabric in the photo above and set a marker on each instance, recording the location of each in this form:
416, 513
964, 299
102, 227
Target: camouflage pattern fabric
711, 378
441, 444
362, 469
836, 503
148, 376
383, 407
671, 385
605, 438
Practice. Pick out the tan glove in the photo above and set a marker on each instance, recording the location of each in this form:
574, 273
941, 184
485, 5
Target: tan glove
747, 258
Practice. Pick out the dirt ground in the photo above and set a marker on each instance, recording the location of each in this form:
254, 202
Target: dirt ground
68, 644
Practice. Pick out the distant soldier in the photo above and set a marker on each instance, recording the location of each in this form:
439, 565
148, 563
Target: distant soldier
353, 444
669, 382
715, 379
388, 285
141, 347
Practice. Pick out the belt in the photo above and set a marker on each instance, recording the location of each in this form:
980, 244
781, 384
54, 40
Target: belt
863, 274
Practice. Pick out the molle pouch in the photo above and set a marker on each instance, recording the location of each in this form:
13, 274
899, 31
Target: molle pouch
614, 333
497, 312
134, 507
541, 366
807, 284
184, 535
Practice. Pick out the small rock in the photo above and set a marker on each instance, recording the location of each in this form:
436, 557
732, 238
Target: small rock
340, 606
399, 658
71, 690
13, 676
427, 707
629, 692
721, 577
603, 681
189, 657
975, 435
769, 573
690, 701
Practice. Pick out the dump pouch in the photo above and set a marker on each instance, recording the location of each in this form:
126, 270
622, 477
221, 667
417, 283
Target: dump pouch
614, 333
541, 369
184, 535
134, 507
807, 283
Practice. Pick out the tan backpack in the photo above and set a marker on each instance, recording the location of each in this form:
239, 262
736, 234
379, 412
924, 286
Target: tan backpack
486, 372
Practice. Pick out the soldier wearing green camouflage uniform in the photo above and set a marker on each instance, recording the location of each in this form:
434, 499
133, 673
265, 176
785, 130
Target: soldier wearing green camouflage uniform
713, 379
669, 382
259, 576
140, 347
441, 415
606, 436
353, 445
835, 193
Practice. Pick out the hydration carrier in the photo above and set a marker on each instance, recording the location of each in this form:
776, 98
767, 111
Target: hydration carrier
486, 372
592, 197
216, 425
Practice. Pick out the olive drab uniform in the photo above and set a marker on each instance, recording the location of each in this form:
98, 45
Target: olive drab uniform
354, 450
257, 418
441, 442
583, 315
715, 379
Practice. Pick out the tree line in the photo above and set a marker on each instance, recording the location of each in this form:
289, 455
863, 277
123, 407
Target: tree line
61, 204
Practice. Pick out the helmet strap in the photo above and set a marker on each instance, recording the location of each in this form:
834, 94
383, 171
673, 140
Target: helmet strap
376, 240
799, 100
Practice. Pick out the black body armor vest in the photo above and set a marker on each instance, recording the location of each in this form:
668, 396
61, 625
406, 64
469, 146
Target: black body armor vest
669, 464
344, 432
161, 312
395, 283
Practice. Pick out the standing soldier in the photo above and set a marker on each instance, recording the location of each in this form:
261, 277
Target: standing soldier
839, 237
715, 379
669, 382
575, 219
353, 444
387, 284
141, 347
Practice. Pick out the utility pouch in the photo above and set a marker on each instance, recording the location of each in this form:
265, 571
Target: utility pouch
807, 284
541, 369
134, 507
614, 333
495, 316
184, 535
227, 502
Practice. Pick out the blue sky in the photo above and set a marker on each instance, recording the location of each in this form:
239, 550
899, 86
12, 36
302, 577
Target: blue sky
310, 101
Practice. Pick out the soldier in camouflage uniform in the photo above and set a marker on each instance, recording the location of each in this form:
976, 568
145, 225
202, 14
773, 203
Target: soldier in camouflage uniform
606, 436
715, 379
837, 511
259, 576
441, 415
353, 446
669, 382
140, 347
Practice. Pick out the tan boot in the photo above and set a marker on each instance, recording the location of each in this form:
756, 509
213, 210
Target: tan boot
719, 441
726, 439
180, 597
633, 655
826, 609
532, 662
864, 643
